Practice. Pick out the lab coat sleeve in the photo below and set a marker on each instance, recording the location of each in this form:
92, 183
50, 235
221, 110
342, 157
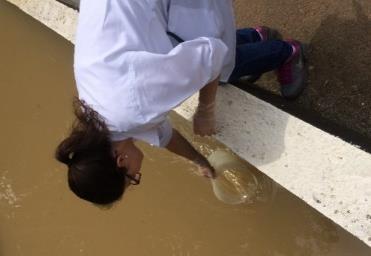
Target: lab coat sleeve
163, 81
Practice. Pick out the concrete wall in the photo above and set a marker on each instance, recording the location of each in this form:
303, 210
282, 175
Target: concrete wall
327, 173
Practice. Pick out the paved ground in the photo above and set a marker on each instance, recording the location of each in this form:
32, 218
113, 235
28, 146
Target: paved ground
339, 32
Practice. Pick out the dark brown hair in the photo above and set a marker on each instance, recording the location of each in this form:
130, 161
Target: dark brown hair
87, 152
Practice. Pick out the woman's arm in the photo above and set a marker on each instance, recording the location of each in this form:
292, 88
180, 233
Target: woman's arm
180, 146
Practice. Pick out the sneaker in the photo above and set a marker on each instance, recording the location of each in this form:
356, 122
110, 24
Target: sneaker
291, 75
266, 34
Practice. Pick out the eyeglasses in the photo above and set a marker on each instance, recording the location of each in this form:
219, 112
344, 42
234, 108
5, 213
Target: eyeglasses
134, 180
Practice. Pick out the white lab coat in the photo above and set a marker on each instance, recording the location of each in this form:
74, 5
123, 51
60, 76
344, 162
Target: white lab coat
128, 70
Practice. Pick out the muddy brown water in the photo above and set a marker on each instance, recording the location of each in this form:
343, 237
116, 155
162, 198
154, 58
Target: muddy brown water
173, 211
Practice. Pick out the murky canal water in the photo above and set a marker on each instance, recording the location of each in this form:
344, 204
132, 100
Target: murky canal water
173, 211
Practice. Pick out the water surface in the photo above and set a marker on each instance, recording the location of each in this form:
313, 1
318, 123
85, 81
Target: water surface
173, 212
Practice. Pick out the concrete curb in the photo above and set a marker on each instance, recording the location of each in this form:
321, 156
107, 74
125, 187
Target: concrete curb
329, 174
51, 13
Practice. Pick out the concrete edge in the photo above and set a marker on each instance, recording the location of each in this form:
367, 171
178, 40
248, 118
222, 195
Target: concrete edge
51, 13
329, 174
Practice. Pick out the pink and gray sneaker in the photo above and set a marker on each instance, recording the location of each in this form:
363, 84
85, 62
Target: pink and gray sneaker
292, 74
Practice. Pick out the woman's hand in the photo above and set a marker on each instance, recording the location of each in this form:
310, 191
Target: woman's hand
205, 168
180, 146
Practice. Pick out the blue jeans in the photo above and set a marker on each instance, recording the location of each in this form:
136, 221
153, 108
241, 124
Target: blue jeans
254, 57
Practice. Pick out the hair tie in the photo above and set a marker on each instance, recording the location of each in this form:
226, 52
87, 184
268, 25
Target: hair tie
70, 155
70, 158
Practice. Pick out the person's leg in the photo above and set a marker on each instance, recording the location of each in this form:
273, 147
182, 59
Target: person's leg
247, 35
260, 57
254, 35
286, 57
